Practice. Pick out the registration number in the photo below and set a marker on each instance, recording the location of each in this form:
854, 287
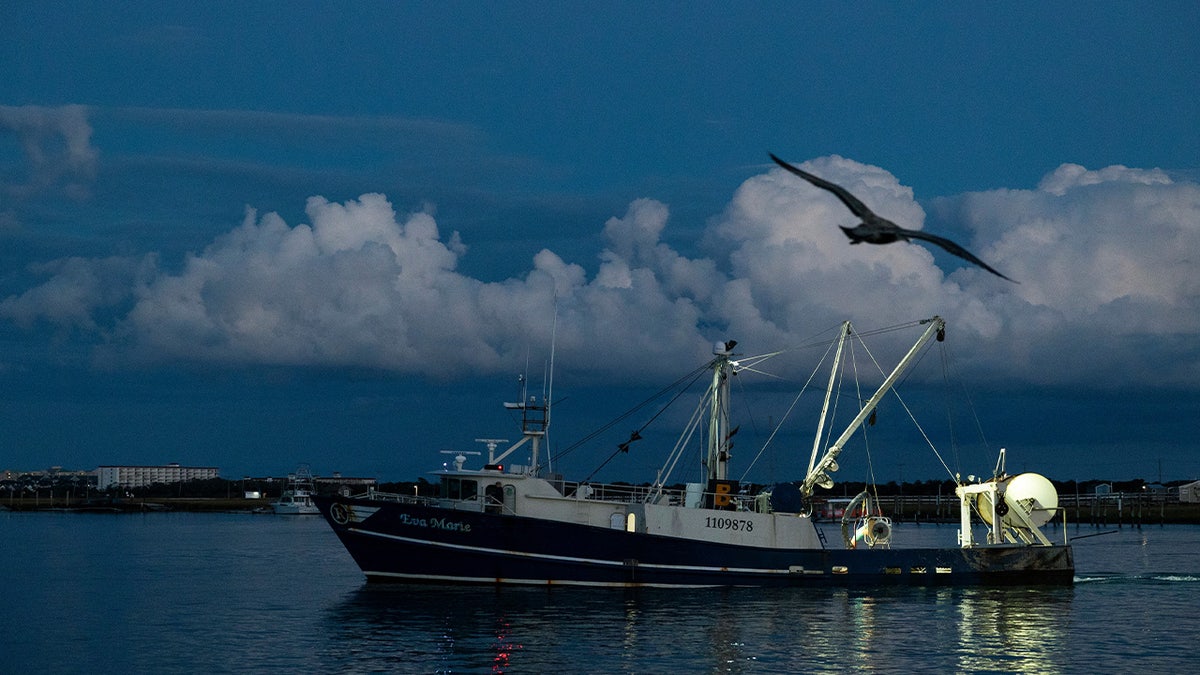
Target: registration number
738, 524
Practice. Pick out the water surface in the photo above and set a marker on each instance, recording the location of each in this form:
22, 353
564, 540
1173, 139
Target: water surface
194, 592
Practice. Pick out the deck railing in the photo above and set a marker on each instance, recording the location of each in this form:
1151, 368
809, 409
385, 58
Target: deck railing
1102, 509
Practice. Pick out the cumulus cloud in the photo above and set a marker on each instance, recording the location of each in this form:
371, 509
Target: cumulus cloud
798, 266
1070, 176
57, 146
1105, 260
360, 286
78, 290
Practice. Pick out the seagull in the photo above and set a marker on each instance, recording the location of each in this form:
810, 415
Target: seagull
876, 230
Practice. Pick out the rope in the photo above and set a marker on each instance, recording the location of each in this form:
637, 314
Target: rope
787, 413
694, 375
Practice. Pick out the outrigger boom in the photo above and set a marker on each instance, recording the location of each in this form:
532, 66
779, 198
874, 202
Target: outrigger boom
819, 475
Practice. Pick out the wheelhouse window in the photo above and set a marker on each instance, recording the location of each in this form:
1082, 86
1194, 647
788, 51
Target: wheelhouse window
459, 488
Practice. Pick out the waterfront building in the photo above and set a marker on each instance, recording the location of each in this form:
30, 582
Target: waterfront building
139, 476
1189, 493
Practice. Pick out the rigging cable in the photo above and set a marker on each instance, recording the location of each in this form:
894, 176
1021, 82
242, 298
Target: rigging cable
787, 413
871, 484
966, 394
574, 446
950, 411
636, 434
895, 392
680, 445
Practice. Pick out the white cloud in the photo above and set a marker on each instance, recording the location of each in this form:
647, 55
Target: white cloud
77, 290
1070, 176
802, 269
57, 145
1107, 265
1104, 259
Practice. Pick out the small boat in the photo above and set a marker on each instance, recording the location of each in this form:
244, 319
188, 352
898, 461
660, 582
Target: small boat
297, 497
520, 524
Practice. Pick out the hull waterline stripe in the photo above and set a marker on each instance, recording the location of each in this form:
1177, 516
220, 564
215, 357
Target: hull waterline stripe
572, 559
535, 582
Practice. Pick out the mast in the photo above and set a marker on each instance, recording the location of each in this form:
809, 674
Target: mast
718, 418
548, 398
819, 475
837, 360
535, 418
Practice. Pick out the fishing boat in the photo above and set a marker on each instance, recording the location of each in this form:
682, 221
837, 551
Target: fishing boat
503, 523
297, 497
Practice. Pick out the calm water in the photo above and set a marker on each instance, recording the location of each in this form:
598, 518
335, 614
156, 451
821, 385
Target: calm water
209, 593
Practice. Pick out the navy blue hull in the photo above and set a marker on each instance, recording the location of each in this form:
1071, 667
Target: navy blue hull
415, 543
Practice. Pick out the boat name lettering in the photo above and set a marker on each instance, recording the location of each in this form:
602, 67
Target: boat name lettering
739, 524
435, 523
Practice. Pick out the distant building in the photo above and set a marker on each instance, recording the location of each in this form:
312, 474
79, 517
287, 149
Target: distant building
139, 476
52, 472
1190, 493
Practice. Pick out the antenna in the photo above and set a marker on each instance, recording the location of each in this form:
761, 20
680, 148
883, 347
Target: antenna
492, 443
460, 458
550, 393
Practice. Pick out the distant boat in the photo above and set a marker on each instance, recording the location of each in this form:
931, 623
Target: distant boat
297, 497
510, 524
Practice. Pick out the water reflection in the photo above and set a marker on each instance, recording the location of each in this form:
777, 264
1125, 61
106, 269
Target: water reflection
455, 629
1017, 630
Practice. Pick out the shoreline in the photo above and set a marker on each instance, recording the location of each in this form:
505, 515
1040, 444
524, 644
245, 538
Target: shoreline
139, 505
1100, 513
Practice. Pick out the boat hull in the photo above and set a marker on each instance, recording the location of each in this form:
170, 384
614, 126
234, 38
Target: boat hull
413, 542
294, 509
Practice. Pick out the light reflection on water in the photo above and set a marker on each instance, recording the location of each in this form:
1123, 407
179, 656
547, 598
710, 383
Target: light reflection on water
224, 593
455, 629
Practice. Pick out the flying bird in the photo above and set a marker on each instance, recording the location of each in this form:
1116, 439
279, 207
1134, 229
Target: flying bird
876, 230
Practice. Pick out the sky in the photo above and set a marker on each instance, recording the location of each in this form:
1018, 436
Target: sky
256, 234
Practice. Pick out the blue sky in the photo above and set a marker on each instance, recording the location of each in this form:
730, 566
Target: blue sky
256, 234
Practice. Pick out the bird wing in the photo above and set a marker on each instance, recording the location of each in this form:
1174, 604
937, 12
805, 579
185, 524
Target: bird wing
953, 248
848, 199
878, 223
